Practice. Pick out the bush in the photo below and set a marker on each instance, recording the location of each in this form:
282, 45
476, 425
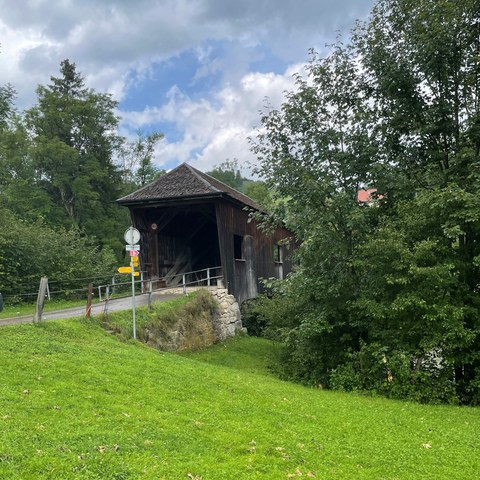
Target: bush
29, 251
396, 375
253, 318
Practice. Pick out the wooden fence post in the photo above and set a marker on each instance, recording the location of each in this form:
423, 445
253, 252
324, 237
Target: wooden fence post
89, 300
40, 299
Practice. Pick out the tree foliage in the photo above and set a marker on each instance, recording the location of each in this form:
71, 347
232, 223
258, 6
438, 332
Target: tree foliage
73, 147
228, 172
7, 96
59, 179
386, 295
30, 250
136, 157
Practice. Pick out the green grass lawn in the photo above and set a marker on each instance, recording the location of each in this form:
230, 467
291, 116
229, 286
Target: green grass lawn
77, 403
248, 354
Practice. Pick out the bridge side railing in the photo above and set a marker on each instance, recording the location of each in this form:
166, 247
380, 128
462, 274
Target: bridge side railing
207, 277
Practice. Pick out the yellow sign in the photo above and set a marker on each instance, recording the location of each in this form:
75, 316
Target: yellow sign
134, 258
128, 270
135, 264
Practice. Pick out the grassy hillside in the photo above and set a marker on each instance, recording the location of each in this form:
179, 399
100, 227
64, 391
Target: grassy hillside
77, 403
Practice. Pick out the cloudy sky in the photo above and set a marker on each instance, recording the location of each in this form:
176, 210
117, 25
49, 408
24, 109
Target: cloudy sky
196, 70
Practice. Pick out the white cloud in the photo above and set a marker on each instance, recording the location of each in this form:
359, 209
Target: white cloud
115, 44
215, 129
110, 38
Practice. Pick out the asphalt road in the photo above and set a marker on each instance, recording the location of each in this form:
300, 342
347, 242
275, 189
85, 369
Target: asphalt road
97, 309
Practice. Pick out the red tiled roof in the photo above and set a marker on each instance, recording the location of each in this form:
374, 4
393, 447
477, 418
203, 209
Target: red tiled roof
365, 195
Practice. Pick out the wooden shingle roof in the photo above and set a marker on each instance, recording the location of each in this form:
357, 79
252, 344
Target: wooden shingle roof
185, 182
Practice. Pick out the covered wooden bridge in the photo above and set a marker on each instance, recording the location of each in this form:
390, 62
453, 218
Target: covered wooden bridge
190, 221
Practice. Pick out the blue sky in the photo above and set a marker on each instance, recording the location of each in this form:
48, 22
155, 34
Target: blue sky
196, 70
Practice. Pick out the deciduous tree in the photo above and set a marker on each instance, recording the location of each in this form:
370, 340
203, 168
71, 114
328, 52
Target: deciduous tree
136, 157
397, 109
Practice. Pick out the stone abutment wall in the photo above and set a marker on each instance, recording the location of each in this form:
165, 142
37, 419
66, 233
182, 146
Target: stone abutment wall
198, 329
229, 319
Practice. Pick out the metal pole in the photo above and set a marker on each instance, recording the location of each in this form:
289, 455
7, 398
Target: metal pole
184, 284
107, 299
208, 277
113, 285
133, 299
141, 282
150, 290
99, 293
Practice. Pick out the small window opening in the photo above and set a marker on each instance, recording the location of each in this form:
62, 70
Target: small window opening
277, 253
238, 247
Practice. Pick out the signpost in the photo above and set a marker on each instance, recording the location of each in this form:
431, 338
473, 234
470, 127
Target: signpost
129, 270
132, 237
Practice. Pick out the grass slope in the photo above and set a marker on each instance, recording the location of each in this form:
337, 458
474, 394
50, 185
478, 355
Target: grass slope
77, 403
248, 354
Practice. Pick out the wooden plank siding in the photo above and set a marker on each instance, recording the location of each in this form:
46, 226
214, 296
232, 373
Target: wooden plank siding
233, 220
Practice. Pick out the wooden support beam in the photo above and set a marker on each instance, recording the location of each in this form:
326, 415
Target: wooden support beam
184, 261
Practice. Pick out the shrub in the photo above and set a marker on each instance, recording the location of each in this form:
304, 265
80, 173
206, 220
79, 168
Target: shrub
395, 374
253, 318
29, 251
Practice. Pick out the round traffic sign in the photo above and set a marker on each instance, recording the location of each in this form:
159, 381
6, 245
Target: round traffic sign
132, 236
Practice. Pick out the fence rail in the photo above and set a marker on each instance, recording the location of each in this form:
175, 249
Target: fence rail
211, 276
187, 281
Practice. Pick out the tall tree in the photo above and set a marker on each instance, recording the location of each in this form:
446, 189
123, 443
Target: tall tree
137, 159
18, 189
7, 95
314, 154
385, 297
423, 60
74, 141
